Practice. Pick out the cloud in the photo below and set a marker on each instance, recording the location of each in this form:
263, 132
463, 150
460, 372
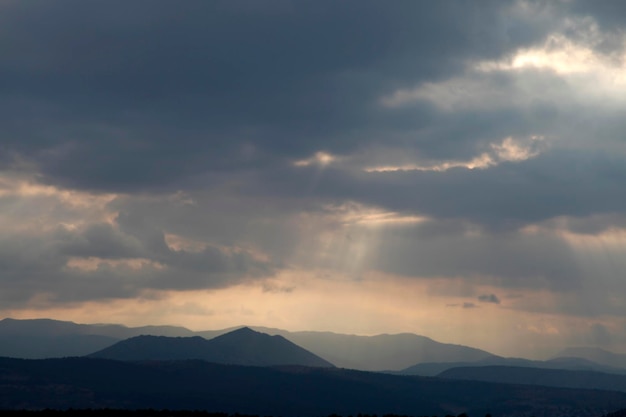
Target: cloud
172, 90
489, 298
600, 335
209, 145
62, 246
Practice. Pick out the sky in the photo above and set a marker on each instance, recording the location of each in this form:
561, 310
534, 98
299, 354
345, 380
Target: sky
454, 169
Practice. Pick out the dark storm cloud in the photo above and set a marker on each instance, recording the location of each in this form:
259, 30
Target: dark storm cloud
119, 96
152, 96
112, 95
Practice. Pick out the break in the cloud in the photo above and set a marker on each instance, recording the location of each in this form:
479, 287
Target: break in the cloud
158, 152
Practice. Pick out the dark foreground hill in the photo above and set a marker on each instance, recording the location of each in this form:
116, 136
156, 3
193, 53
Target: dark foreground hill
240, 347
285, 391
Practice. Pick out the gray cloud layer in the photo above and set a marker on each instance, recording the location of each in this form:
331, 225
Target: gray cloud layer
218, 99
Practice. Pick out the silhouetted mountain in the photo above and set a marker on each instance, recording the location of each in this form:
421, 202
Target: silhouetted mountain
597, 355
240, 347
285, 391
573, 364
148, 347
381, 352
536, 376
252, 348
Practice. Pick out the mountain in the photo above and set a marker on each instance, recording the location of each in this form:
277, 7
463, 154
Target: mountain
597, 355
147, 347
260, 348
281, 391
536, 376
45, 338
573, 364
51, 327
378, 353
239, 347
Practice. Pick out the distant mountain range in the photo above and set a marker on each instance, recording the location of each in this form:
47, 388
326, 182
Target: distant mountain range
289, 373
44, 338
239, 347
405, 353
80, 383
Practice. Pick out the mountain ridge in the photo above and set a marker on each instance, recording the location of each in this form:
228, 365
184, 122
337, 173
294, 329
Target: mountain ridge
41, 338
243, 346
379, 352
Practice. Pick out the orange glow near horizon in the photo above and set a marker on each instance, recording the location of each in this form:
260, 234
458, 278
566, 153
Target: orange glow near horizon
298, 301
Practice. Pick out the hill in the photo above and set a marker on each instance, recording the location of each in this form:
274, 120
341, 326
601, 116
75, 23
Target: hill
240, 347
572, 364
536, 376
284, 391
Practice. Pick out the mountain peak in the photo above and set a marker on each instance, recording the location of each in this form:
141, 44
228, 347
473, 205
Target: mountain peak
245, 329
